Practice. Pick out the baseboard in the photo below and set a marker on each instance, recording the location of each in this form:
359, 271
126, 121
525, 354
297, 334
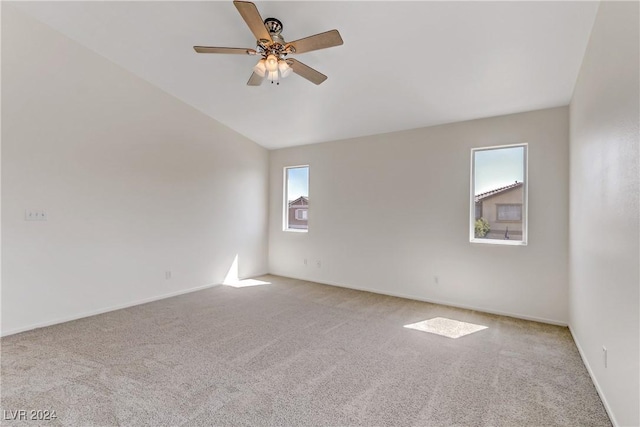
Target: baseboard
105, 310
433, 301
593, 378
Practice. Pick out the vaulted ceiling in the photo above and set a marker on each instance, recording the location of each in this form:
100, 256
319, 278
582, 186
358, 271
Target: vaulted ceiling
403, 65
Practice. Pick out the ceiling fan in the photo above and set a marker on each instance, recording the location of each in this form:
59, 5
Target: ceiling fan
273, 49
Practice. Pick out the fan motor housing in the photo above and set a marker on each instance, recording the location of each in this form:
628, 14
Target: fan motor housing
274, 26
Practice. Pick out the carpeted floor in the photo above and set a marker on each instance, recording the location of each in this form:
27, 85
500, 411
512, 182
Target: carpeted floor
295, 353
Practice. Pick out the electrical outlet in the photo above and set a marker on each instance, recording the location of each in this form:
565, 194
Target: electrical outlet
305, 262
604, 355
318, 263
167, 275
436, 280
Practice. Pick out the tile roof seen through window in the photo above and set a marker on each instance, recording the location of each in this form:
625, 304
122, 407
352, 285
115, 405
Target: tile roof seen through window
486, 194
302, 200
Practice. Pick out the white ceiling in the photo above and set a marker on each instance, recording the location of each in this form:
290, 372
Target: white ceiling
403, 65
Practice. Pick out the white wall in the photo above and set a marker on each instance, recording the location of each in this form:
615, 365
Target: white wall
135, 183
389, 212
605, 241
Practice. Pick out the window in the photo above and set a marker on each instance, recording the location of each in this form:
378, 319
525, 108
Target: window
509, 212
499, 195
296, 197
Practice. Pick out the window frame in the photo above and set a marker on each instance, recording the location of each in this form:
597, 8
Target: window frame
285, 207
525, 199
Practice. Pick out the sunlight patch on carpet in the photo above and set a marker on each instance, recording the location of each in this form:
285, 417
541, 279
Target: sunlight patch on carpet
446, 327
246, 283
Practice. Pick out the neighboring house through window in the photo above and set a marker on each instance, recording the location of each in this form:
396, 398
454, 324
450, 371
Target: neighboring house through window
296, 196
499, 195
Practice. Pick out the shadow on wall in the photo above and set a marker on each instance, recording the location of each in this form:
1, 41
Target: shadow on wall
232, 279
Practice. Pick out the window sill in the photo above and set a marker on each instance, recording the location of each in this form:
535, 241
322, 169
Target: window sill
295, 230
499, 242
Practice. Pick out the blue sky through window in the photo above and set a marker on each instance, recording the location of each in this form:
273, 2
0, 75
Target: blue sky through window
298, 182
497, 168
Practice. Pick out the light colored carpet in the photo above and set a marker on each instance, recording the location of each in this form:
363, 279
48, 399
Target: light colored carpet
295, 353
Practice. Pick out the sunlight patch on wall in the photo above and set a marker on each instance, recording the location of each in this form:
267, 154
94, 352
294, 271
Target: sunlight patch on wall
446, 327
232, 274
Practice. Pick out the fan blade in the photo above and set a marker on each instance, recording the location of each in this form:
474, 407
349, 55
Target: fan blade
307, 72
319, 41
252, 17
231, 50
255, 80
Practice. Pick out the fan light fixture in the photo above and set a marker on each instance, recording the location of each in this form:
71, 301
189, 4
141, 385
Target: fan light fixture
273, 68
285, 69
272, 63
260, 68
